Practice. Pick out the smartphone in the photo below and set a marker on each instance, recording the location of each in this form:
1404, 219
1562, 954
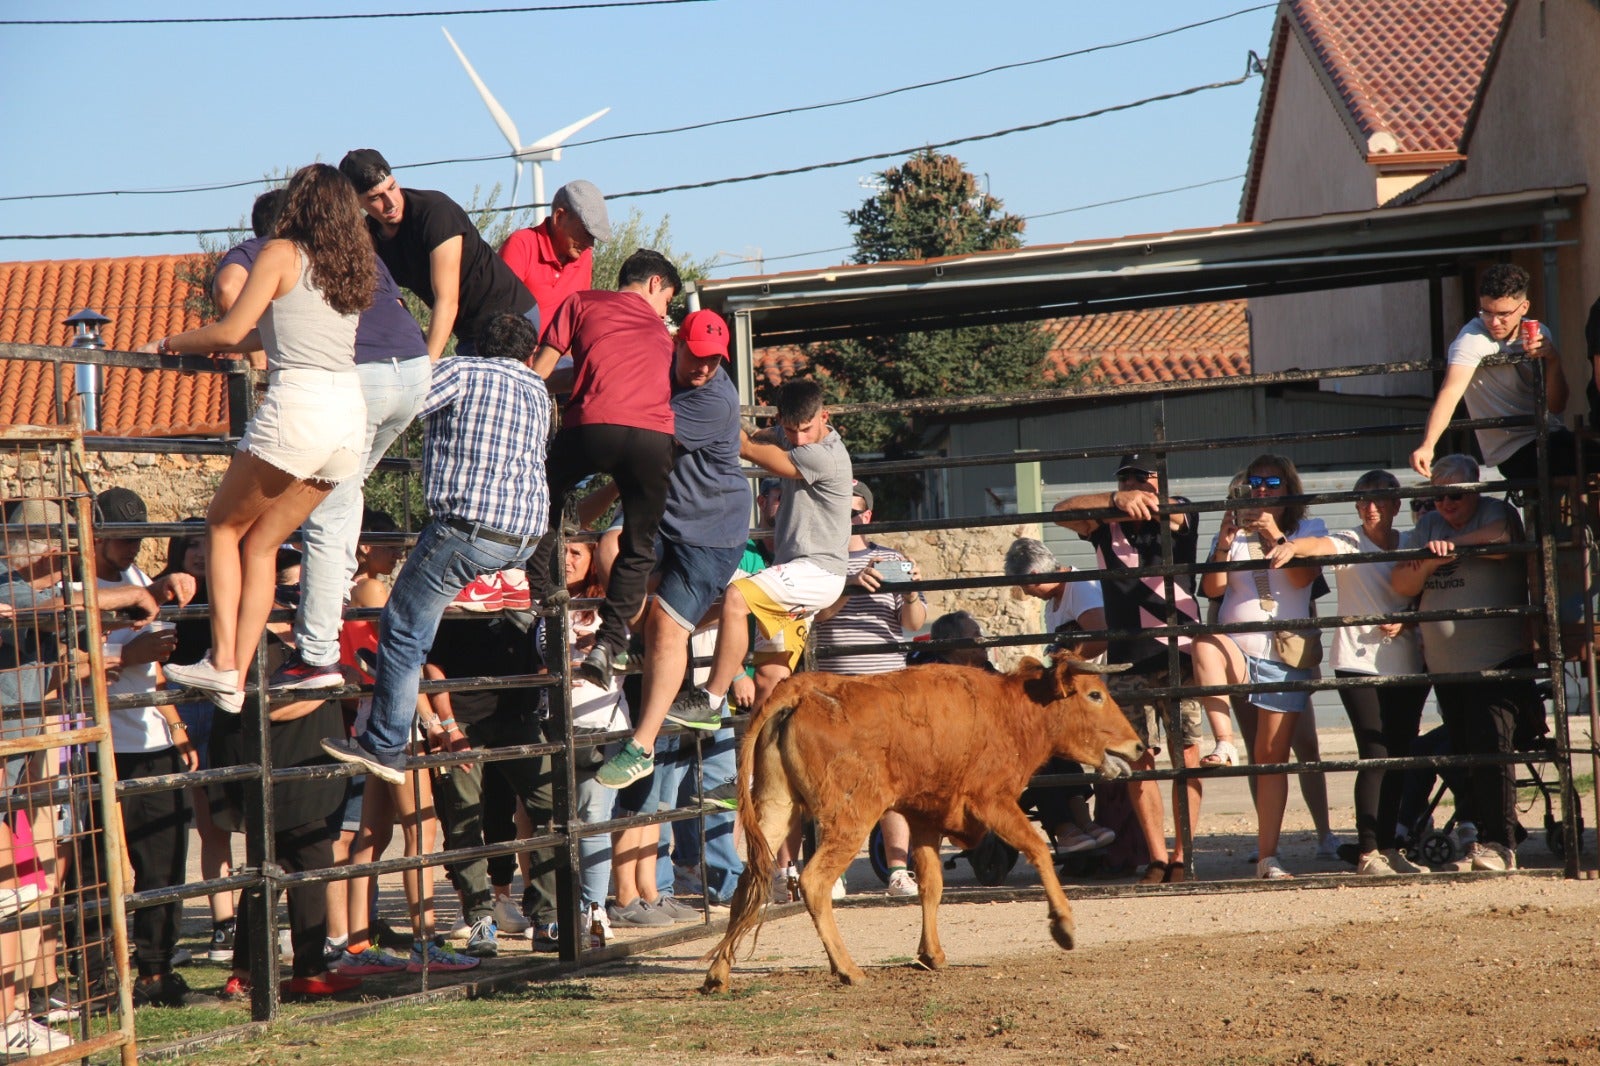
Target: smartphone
893, 571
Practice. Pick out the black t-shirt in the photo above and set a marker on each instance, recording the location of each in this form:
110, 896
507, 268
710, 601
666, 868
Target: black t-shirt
1591, 336
294, 743
477, 648
488, 286
1134, 602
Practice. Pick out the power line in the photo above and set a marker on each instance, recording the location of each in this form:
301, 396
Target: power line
714, 182
796, 110
215, 19
1027, 218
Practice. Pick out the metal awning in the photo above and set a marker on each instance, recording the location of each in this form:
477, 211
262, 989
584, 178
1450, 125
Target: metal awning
1374, 247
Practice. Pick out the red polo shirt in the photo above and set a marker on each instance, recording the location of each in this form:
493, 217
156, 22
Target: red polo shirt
532, 257
621, 360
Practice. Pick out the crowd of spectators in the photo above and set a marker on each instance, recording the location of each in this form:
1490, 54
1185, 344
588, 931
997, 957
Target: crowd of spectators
670, 576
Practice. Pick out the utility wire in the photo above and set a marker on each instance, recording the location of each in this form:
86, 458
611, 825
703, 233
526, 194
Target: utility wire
1027, 218
712, 183
346, 18
797, 110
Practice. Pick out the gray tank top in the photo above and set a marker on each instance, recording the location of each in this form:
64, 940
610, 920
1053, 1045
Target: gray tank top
301, 332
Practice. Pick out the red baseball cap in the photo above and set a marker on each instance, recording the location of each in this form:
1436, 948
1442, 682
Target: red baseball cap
705, 333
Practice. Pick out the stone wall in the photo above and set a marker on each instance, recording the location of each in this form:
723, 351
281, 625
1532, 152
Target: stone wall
172, 486
950, 553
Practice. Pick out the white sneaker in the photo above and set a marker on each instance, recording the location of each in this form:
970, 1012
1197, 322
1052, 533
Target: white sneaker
1496, 858
26, 1038
1374, 863
460, 931
202, 675
839, 890
902, 884
1328, 847
780, 887
509, 917
1270, 869
1401, 864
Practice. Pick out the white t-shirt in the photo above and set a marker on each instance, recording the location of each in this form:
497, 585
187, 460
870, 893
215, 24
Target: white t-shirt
1364, 589
1241, 602
1077, 599
134, 729
593, 707
1506, 391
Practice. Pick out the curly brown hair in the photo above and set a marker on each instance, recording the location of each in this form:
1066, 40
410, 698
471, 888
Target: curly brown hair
322, 216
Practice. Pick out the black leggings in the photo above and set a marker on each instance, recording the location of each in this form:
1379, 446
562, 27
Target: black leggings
1385, 720
639, 461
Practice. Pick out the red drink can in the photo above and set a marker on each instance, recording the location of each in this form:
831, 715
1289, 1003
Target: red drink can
1530, 330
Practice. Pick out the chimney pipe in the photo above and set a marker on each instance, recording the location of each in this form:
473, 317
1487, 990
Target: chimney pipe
86, 376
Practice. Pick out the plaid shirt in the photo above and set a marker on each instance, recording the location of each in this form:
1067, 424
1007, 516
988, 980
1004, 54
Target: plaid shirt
483, 461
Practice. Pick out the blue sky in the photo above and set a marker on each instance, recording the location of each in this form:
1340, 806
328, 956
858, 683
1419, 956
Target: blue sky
151, 107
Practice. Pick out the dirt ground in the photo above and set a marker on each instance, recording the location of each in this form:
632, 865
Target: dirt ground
1479, 970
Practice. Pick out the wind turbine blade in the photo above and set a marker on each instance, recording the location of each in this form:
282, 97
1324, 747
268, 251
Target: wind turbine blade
551, 140
507, 128
516, 183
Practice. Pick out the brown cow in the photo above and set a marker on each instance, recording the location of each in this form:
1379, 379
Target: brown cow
949, 747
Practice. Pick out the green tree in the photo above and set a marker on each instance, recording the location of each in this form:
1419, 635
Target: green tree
928, 206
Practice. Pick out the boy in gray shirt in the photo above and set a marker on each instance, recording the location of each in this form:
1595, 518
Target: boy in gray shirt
809, 548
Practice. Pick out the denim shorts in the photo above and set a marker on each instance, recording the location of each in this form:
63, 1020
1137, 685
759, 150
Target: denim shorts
312, 425
1268, 671
197, 717
692, 577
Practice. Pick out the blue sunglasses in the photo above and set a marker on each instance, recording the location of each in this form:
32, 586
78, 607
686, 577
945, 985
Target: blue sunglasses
1256, 481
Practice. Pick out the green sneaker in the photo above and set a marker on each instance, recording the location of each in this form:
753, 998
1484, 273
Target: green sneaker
626, 766
725, 797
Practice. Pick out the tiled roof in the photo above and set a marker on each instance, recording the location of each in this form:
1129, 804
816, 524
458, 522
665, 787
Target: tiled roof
1209, 340
145, 297
1409, 68
1406, 73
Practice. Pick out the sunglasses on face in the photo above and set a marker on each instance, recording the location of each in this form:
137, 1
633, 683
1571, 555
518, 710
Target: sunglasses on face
288, 595
1421, 506
1256, 481
1455, 497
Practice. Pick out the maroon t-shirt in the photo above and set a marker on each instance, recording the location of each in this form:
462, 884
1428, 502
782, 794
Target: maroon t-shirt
621, 360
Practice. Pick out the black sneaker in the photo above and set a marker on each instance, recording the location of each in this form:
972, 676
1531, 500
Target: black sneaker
296, 673
390, 767
222, 934
166, 990
51, 1006
596, 667
693, 709
725, 797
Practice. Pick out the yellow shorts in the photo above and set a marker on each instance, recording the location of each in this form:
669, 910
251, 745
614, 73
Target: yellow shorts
782, 600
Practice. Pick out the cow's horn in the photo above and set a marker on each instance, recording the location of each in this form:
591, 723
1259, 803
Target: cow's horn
1100, 668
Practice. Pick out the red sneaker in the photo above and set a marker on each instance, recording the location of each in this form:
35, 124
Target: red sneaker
236, 988
486, 593
514, 590
327, 984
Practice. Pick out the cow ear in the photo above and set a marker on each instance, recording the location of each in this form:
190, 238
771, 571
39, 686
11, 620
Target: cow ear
1045, 684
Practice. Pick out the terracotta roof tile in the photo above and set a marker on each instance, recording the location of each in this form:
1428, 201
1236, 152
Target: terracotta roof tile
145, 297
1209, 340
1409, 68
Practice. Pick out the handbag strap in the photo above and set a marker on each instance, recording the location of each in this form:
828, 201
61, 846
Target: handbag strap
1263, 582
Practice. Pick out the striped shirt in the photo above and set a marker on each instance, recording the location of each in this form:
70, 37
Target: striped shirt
865, 618
488, 421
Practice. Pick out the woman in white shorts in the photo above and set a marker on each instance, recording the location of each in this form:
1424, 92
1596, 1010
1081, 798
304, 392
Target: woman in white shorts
1262, 529
307, 288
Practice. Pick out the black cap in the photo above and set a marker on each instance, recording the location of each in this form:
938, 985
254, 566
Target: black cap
1135, 462
119, 505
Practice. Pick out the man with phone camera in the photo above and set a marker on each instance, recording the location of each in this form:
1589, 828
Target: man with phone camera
875, 608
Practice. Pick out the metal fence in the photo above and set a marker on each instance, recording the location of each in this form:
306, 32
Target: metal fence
263, 877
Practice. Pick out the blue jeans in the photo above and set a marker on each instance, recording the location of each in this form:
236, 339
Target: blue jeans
444, 562
723, 865
594, 802
394, 391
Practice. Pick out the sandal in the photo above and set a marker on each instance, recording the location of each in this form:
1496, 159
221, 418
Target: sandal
1154, 874
1223, 754
1270, 869
1176, 874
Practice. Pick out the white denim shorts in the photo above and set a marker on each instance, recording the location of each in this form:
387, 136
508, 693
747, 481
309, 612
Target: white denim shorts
312, 424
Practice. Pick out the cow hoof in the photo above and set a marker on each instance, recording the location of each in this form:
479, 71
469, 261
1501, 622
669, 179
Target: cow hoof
1062, 932
931, 962
714, 986
852, 977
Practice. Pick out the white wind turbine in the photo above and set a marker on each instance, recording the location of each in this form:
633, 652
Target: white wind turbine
546, 149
